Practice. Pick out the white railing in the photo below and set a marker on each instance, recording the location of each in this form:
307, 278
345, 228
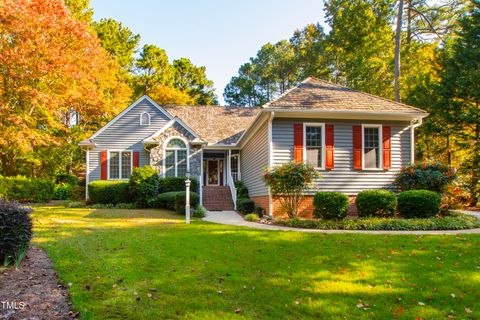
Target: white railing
233, 191
235, 176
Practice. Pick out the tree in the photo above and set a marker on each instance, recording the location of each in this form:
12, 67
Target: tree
459, 90
170, 95
80, 10
193, 80
398, 35
51, 68
152, 69
118, 40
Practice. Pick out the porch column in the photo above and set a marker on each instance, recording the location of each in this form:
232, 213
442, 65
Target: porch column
229, 165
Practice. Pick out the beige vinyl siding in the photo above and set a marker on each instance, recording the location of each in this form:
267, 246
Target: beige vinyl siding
127, 134
343, 178
253, 158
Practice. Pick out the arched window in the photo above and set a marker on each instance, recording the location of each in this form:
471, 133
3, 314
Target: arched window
145, 119
175, 157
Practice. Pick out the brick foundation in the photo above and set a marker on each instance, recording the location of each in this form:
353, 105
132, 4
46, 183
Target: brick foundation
261, 201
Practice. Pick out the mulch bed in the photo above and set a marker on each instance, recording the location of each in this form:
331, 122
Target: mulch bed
33, 291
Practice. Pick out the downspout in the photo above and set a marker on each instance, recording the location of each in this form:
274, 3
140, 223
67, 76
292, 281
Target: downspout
413, 124
270, 160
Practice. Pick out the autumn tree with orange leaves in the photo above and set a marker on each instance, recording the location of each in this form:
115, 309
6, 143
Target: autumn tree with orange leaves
57, 84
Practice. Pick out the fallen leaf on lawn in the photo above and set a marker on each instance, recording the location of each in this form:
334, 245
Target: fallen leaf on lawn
219, 291
149, 295
420, 303
468, 310
297, 302
238, 310
453, 295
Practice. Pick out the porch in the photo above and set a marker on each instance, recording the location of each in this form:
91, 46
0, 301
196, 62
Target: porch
220, 171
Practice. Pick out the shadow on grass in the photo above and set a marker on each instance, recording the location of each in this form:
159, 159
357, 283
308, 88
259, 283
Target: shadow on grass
145, 270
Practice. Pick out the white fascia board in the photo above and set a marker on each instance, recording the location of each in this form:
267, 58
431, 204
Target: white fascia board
144, 97
151, 139
257, 123
347, 114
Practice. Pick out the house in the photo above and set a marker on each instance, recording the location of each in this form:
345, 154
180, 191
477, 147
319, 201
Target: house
358, 141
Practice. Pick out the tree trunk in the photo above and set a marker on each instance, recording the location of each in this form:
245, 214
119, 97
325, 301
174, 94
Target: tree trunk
398, 37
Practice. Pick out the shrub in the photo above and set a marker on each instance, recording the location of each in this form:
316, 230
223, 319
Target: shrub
26, 189
252, 217
454, 222
380, 203
125, 206
143, 184
66, 178
330, 205
78, 193
242, 190
259, 211
15, 230
426, 176
288, 183
169, 184
180, 199
164, 200
75, 204
419, 203
108, 191
245, 205
63, 191
199, 212
101, 206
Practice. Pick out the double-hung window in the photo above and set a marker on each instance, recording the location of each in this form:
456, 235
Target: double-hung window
372, 146
176, 158
314, 144
120, 164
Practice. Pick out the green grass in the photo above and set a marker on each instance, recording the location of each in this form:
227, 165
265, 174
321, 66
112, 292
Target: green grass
146, 264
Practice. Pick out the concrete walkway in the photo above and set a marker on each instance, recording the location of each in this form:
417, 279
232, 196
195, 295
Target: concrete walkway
234, 219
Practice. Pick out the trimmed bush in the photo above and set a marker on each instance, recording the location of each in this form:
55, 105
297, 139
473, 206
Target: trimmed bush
15, 230
199, 212
108, 192
425, 176
252, 217
75, 204
63, 191
180, 199
78, 193
169, 184
66, 178
245, 205
144, 185
379, 203
164, 200
25, 189
330, 205
242, 190
419, 203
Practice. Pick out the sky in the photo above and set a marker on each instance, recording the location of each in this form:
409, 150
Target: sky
218, 34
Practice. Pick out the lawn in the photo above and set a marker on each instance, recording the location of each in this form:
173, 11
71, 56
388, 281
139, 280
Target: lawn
147, 264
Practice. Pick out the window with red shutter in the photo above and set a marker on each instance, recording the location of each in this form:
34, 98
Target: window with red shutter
357, 147
387, 153
298, 142
329, 146
104, 165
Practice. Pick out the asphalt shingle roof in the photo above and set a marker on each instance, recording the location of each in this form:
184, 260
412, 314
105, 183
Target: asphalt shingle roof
315, 94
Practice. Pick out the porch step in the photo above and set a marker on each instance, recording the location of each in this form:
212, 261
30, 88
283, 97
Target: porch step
217, 198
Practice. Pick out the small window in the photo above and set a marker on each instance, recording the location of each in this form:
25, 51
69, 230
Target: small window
145, 119
120, 164
176, 158
371, 147
314, 144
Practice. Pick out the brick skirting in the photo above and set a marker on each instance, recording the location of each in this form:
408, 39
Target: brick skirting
305, 210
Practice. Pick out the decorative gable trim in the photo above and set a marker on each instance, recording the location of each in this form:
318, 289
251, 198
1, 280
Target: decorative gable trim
144, 97
151, 138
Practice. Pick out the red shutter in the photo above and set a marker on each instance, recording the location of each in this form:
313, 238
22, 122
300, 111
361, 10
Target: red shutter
136, 159
357, 147
387, 153
329, 141
298, 142
103, 165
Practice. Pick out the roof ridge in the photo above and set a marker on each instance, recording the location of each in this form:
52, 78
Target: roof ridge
367, 94
208, 106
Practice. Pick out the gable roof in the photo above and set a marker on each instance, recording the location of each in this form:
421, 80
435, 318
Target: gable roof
215, 124
315, 94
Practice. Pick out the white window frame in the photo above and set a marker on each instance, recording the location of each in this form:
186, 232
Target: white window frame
314, 124
380, 146
119, 163
141, 117
187, 148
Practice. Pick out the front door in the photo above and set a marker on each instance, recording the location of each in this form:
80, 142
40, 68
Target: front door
213, 172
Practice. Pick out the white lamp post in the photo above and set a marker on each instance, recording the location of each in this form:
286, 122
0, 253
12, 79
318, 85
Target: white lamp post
187, 198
